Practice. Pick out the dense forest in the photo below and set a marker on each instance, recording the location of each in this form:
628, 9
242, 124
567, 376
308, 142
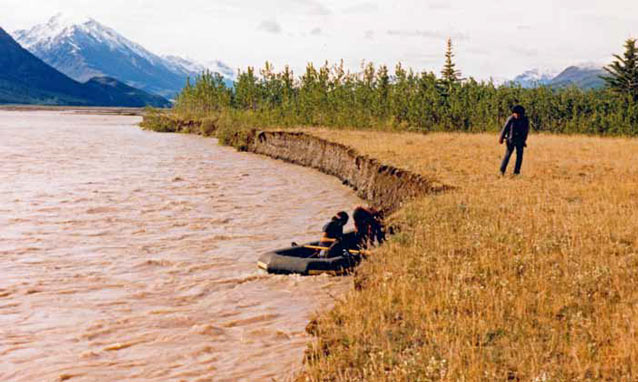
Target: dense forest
376, 97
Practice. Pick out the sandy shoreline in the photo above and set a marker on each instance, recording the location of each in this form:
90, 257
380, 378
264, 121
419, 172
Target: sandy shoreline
77, 109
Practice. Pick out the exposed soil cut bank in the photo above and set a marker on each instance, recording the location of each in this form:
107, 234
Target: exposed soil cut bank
385, 187
507, 278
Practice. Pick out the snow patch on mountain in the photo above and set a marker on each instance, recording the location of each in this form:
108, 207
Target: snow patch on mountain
535, 77
184, 64
196, 68
584, 75
45, 34
83, 48
64, 29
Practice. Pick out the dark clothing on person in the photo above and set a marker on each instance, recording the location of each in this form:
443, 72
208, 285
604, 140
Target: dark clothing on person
515, 130
519, 157
368, 227
333, 229
338, 248
515, 134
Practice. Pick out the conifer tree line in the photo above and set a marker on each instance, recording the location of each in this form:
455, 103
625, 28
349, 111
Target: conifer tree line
401, 98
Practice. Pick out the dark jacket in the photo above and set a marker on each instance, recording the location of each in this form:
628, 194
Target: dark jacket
333, 229
515, 130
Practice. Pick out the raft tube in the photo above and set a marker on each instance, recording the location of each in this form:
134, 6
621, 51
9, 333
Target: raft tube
304, 261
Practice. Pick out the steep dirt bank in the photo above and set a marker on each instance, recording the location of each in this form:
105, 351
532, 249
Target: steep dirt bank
385, 187
525, 278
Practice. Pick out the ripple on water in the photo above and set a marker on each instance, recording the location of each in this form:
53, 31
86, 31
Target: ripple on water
131, 255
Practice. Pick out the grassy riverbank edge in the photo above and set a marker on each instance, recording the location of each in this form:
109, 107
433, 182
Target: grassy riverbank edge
520, 279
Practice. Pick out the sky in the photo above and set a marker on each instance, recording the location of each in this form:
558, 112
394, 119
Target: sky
492, 39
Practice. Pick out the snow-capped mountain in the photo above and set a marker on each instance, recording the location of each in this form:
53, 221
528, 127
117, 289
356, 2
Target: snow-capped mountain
84, 48
25, 79
585, 76
535, 77
194, 68
184, 64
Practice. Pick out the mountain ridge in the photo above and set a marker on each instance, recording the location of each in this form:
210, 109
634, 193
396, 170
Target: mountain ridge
585, 76
83, 49
25, 79
535, 77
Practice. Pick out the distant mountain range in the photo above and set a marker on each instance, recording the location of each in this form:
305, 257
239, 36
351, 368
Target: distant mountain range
85, 49
25, 79
583, 76
193, 68
105, 68
535, 77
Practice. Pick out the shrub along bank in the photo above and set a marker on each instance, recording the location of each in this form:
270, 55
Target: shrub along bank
403, 100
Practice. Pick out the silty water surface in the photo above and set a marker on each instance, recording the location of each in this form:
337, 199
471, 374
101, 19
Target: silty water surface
131, 255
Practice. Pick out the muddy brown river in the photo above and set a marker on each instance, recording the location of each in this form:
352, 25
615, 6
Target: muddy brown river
127, 255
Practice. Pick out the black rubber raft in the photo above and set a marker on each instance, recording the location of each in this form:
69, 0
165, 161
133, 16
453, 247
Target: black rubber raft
304, 261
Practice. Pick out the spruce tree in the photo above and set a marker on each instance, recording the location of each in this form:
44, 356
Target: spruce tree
451, 76
623, 72
247, 90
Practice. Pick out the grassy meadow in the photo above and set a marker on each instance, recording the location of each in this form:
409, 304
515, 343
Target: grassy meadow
530, 278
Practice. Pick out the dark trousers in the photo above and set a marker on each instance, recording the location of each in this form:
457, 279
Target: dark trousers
519, 157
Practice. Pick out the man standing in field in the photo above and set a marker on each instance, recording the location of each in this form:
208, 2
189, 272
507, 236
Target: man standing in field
515, 134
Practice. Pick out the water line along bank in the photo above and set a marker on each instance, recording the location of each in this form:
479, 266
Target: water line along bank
131, 255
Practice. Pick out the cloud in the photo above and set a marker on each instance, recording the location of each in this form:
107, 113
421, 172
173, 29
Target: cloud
270, 26
524, 27
478, 51
440, 6
427, 58
316, 31
369, 35
313, 7
432, 34
364, 7
521, 51
280, 7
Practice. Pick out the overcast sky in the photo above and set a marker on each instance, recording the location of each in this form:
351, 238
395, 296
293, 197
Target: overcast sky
495, 38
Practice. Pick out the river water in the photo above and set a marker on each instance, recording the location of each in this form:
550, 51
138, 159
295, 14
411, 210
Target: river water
128, 255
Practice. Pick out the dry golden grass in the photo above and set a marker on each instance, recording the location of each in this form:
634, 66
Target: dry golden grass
461, 159
533, 278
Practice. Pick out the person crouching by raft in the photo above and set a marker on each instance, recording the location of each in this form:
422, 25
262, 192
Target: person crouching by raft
333, 235
368, 226
515, 134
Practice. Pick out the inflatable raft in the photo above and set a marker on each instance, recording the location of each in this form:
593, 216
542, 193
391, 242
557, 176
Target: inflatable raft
304, 260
